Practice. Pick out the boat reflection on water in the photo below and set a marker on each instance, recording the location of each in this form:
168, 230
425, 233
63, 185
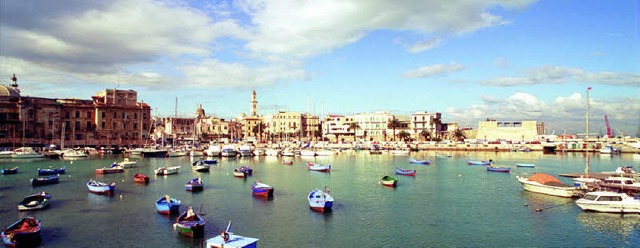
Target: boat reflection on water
618, 225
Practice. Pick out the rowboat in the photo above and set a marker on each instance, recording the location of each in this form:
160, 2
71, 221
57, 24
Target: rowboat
100, 187
318, 167
13, 170
38, 181
287, 162
22, 233
549, 185
246, 170
261, 189
238, 173
167, 205
525, 165
34, 202
229, 239
609, 202
53, 171
167, 170
498, 169
115, 168
405, 172
195, 184
414, 161
140, 178
471, 162
200, 166
320, 200
190, 224
210, 161
389, 181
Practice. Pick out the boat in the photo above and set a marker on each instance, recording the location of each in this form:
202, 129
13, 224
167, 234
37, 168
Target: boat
287, 162
34, 201
609, 150
389, 181
195, 184
190, 224
318, 167
320, 200
196, 153
229, 239
307, 153
209, 161
405, 172
246, 169
259, 152
547, 184
109, 170
415, 161
167, 205
176, 153
45, 180
100, 187
47, 172
272, 152
609, 202
288, 153
325, 153
246, 150
471, 162
498, 169
22, 233
10, 171
261, 189
200, 166
126, 163
228, 151
167, 170
586, 182
213, 151
140, 178
6, 154
72, 153
525, 165
154, 153
621, 184
25, 152
625, 170
443, 156
375, 149
238, 173
401, 152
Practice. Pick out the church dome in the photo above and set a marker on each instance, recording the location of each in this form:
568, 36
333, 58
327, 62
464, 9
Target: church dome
9, 91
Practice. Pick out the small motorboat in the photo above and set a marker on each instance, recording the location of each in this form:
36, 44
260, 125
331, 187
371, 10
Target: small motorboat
22, 233
498, 169
200, 166
195, 184
52, 171
39, 181
609, 202
320, 200
261, 189
287, 162
35, 202
100, 187
415, 161
167, 205
140, 178
10, 171
405, 172
318, 167
471, 162
115, 168
190, 224
525, 165
229, 239
238, 173
389, 181
167, 170
126, 164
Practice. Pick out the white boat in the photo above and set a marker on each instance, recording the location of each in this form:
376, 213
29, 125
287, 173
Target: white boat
246, 150
196, 153
213, 151
325, 153
26, 152
624, 184
307, 153
177, 153
71, 153
320, 200
137, 151
443, 156
609, 150
258, 152
609, 202
272, 152
525, 165
167, 170
227, 239
288, 153
400, 152
228, 151
318, 167
549, 185
200, 166
127, 164
6, 154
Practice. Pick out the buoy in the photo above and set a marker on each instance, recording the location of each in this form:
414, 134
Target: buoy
123, 180
538, 210
71, 162
526, 204
120, 196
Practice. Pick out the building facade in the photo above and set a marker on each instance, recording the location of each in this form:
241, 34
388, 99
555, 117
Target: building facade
492, 130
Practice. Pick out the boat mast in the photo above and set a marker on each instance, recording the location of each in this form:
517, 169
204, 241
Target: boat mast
586, 170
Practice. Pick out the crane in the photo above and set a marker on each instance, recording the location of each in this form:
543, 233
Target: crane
606, 122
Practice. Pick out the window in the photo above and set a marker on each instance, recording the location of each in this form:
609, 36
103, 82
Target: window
88, 114
103, 124
135, 116
114, 114
114, 125
135, 125
122, 115
77, 114
66, 114
104, 115
77, 125
88, 125
78, 136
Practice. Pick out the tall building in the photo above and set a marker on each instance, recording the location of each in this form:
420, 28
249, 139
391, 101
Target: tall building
252, 126
492, 130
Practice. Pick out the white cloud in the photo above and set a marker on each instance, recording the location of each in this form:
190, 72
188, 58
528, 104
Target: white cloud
434, 70
559, 75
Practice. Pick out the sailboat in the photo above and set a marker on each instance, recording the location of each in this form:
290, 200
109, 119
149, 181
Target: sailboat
24, 151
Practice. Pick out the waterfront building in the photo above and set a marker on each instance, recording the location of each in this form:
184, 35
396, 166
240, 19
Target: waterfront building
373, 126
492, 130
425, 122
251, 125
336, 128
113, 118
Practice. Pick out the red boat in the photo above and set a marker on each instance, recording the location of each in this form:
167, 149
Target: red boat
405, 172
140, 178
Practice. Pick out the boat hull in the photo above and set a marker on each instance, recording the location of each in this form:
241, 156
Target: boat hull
40, 181
162, 207
525, 165
405, 172
48, 172
536, 187
27, 238
262, 190
497, 169
189, 230
140, 178
389, 183
10, 171
109, 171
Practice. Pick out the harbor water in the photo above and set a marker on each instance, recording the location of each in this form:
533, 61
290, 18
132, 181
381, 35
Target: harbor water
447, 204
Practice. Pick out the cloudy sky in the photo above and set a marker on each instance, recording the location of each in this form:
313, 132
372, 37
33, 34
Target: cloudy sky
507, 60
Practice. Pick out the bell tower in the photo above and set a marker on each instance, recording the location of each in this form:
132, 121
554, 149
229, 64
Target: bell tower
254, 104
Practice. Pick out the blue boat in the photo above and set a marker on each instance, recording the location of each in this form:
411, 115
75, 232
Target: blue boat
35, 201
53, 171
100, 187
246, 170
470, 162
190, 224
210, 161
498, 169
195, 184
415, 161
22, 233
261, 189
167, 205
39, 181
525, 165
13, 170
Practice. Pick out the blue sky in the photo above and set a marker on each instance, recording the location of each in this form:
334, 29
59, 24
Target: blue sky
469, 60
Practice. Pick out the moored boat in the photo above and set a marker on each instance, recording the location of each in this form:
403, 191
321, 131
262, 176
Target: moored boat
472, 162
154, 153
200, 166
525, 165
39, 181
401, 152
405, 172
167, 170
100, 187
287, 162
320, 200
195, 184
549, 185
10, 171
389, 181
228, 151
229, 239
318, 167
239, 173
261, 189
246, 169
325, 153
34, 201
109, 170
498, 169
609, 202
25, 152
140, 178
52, 171
22, 233
126, 163
415, 161
190, 224
167, 205
73, 153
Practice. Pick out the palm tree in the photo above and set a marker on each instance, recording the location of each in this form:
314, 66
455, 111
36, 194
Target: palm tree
393, 124
458, 135
426, 135
437, 122
404, 135
258, 129
354, 126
